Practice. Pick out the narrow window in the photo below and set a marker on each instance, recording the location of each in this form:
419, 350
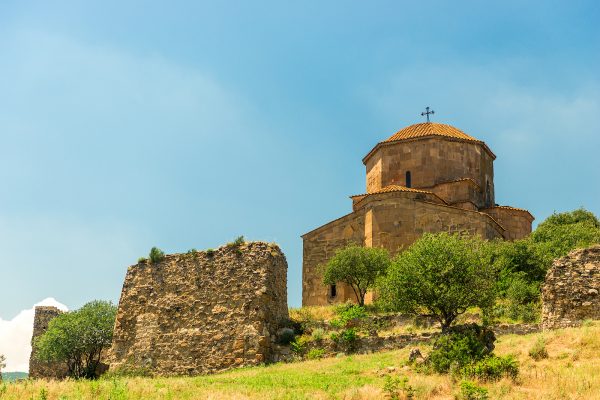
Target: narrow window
488, 194
332, 291
408, 179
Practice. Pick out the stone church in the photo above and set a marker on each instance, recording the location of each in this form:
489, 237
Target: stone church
427, 177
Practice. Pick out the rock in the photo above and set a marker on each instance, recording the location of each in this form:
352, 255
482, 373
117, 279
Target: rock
570, 290
414, 355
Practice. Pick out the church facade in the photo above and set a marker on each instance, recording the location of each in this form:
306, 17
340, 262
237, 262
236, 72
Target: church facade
427, 177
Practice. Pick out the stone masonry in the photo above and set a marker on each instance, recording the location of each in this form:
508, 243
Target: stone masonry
571, 290
202, 312
427, 177
37, 368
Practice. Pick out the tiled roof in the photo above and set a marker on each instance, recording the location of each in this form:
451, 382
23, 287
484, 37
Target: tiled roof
511, 208
394, 188
429, 129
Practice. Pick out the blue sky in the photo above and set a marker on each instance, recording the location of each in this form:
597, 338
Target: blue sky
127, 125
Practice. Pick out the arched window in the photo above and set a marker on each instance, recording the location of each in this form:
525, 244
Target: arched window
332, 291
408, 179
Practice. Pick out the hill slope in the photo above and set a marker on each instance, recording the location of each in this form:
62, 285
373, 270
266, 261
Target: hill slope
570, 371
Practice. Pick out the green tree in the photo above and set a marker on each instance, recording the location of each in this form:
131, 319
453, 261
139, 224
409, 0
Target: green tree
78, 338
566, 231
357, 266
2, 365
441, 275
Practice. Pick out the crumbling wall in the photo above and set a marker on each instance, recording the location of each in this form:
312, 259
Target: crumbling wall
201, 312
37, 368
571, 290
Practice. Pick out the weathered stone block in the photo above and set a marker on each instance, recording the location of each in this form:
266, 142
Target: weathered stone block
570, 291
207, 312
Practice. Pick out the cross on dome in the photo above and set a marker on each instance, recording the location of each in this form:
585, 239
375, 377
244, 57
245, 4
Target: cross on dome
427, 112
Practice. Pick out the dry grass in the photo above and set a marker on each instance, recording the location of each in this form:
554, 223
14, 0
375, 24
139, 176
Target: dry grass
571, 371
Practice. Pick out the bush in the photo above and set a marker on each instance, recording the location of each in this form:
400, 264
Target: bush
298, 346
240, 240
394, 386
538, 351
156, 255
470, 391
345, 339
315, 354
210, 252
318, 334
286, 336
349, 314
142, 260
461, 347
493, 368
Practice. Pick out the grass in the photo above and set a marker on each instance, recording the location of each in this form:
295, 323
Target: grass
571, 371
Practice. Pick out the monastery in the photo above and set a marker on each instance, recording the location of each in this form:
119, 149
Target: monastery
427, 177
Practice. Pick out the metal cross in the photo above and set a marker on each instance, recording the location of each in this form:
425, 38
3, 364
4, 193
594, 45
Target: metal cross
427, 113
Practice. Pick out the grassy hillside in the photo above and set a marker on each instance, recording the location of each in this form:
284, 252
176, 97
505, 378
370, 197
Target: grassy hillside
570, 372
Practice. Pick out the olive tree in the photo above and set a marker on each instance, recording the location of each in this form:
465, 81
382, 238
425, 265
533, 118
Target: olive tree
357, 266
78, 338
440, 275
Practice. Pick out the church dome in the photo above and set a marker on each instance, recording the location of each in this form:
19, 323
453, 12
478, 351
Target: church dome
429, 129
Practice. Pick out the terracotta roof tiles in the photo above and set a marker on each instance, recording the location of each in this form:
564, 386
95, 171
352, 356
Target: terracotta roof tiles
429, 129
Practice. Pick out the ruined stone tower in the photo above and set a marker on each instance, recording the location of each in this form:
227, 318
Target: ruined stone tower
37, 368
201, 312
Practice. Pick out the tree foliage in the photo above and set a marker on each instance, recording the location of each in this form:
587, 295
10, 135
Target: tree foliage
357, 266
78, 338
2, 364
440, 275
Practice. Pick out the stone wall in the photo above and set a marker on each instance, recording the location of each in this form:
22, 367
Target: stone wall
373, 343
37, 368
431, 161
389, 220
571, 290
201, 312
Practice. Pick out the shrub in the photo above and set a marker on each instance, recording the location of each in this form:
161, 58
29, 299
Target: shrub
470, 391
315, 354
237, 242
458, 349
538, 351
210, 252
156, 255
347, 314
318, 334
142, 260
394, 386
493, 368
346, 339
286, 336
192, 251
298, 346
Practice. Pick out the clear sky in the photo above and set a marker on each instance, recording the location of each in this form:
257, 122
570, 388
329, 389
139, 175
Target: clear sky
131, 124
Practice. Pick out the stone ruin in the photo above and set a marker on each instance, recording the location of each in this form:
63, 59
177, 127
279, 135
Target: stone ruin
201, 312
193, 313
571, 290
37, 368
